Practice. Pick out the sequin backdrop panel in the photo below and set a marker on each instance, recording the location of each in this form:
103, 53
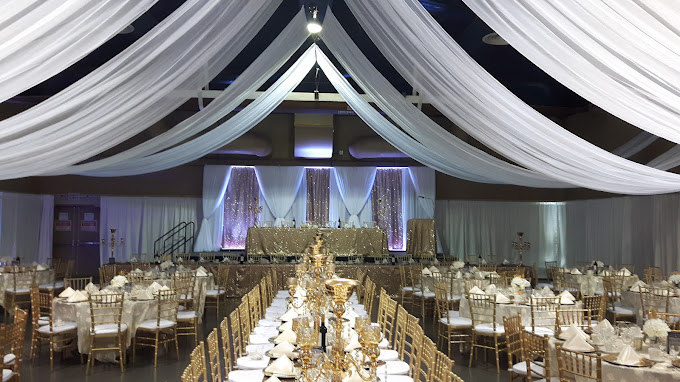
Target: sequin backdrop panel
387, 205
241, 193
318, 194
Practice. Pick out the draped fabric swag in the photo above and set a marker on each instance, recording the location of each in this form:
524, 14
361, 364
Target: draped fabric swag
354, 187
215, 180
279, 186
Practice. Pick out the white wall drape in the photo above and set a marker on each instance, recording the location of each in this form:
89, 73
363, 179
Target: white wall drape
424, 184
26, 226
428, 58
135, 89
354, 187
142, 220
215, 180
42, 38
279, 186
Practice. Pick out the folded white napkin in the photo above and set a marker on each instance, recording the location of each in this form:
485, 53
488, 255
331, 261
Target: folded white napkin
637, 285
77, 296
41, 267
547, 292
565, 300
282, 366
506, 262
91, 288
574, 331
490, 289
459, 274
500, 298
474, 269
68, 292
138, 270
575, 271
483, 261
288, 325
284, 348
625, 272
201, 273
578, 343
602, 326
165, 287
286, 336
475, 290
155, 287
568, 295
289, 315
133, 260
434, 269
353, 343
628, 356
273, 379
427, 272
201, 268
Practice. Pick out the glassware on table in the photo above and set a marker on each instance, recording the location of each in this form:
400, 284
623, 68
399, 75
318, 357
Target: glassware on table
361, 323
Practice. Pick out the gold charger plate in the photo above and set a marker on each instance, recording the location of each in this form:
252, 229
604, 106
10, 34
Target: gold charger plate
611, 358
278, 375
676, 362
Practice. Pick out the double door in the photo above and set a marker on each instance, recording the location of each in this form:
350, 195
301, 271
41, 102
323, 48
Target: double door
76, 237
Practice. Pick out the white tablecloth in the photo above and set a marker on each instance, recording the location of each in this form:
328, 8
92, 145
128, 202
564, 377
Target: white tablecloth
509, 310
589, 284
632, 299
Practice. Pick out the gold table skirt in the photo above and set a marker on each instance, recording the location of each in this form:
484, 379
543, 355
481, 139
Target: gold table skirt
421, 240
338, 241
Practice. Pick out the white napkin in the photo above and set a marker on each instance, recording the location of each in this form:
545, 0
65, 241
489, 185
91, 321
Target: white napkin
287, 336
602, 326
565, 300
41, 267
574, 331
625, 272
68, 292
353, 343
500, 298
133, 260
506, 262
483, 261
91, 288
155, 287
434, 269
475, 290
289, 315
566, 294
138, 270
628, 356
575, 271
459, 274
288, 325
427, 272
165, 287
282, 366
547, 292
273, 379
490, 289
637, 285
77, 296
200, 268
284, 348
578, 343
201, 273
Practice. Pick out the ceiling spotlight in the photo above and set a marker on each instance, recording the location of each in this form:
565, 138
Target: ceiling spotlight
313, 25
494, 39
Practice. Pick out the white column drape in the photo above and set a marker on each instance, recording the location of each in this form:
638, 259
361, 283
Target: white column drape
21, 227
40, 39
422, 139
426, 56
424, 184
354, 186
251, 79
136, 88
215, 181
279, 186
225, 133
142, 220
616, 54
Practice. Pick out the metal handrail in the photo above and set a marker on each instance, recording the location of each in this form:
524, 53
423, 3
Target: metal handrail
179, 236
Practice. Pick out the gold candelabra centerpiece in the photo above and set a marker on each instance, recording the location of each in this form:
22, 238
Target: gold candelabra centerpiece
113, 244
255, 209
521, 246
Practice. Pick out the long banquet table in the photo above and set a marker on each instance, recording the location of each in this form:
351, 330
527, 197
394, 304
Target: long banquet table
339, 241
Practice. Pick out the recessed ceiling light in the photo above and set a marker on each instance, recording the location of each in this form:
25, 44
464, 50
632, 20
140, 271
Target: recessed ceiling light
494, 39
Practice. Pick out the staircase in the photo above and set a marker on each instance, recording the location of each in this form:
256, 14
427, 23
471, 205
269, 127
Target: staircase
179, 239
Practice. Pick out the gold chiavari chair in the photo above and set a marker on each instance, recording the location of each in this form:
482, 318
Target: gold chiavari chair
652, 275
513, 339
216, 297
579, 366
400, 330
471, 283
199, 369
443, 366
387, 314
187, 375
487, 267
369, 296
577, 317
612, 294
244, 319
207, 257
573, 288
77, 283
559, 279
360, 288
227, 338
60, 337
8, 374
162, 330
452, 328
214, 357
536, 351
484, 326
61, 270
672, 319
264, 292
106, 311
139, 278
596, 305
106, 273
454, 378
182, 258
425, 366
237, 339
187, 320
544, 315
405, 289
254, 307
412, 349
654, 298
19, 292
13, 353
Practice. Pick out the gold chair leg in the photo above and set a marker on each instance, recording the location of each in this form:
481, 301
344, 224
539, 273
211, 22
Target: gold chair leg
51, 352
155, 356
134, 350
473, 349
176, 344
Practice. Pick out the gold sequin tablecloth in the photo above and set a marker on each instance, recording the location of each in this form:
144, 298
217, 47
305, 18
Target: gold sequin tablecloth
421, 238
339, 241
243, 277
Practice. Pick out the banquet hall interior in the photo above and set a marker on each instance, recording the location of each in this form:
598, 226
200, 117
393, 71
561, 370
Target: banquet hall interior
339, 190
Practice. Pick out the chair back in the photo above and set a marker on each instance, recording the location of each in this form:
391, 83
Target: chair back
573, 288
471, 283
214, 356
652, 275
413, 344
227, 354
487, 267
184, 284
369, 295
482, 309
426, 365
22, 280
387, 314
654, 298
17, 333
441, 301
537, 353
596, 305
198, 366
167, 306
544, 312
577, 317
41, 306
513, 338
672, 319
244, 320
400, 330
77, 283
182, 257
254, 307
443, 366
106, 309
579, 366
